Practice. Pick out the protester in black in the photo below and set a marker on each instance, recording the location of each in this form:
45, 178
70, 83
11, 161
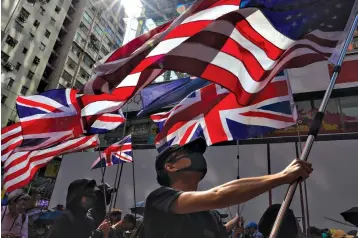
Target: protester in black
73, 222
177, 210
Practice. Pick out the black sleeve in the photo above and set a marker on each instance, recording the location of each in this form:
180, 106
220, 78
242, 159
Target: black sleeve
162, 199
61, 227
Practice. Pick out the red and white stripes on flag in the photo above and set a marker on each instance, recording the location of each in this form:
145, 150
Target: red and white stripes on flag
20, 167
239, 49
11, 137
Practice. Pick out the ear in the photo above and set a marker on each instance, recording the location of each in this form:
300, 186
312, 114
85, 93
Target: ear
170, 167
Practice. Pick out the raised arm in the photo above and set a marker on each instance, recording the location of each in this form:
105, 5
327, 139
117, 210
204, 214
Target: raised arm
238, 191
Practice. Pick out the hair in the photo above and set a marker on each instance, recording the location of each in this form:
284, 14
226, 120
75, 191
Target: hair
314, 231
115, 212
289, 225
21, 197
130, 219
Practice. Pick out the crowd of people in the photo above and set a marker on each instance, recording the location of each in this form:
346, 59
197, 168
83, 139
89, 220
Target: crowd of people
175, 210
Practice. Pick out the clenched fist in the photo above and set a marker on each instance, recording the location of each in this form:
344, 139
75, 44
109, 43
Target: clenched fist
297, 169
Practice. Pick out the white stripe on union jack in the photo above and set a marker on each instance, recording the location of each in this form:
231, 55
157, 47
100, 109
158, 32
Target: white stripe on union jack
213, 113
240, 45
119, 152
20, 167
11, 138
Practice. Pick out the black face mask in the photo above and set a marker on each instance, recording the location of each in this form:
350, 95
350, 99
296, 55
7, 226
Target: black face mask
198, 163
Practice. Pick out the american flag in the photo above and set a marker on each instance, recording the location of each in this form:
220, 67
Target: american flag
11, 138
240, 45
20, 167
214, 114
48, 118
119, 152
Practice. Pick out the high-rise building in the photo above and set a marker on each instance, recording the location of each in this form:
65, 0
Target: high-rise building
50, 44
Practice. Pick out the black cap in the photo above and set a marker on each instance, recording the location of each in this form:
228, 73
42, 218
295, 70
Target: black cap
198, 145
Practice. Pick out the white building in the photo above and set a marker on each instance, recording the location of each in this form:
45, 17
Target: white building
50, 44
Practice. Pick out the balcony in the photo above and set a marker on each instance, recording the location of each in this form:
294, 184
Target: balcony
54, 53
59, 41
7, 66
50, 66
69, 18
91, 53
11, 41
72, 7
63, 29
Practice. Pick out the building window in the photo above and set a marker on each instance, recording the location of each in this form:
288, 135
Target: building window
104, 51
3, 99
23, 15
87, 17
66, 76
52, 21
75, 50
24, 51
88, 61
42, 10
30, 74
10, 83
98, 29
18, 27
24, 90
84, 74
42, 47
78, 85
57, 9
31, 37
18, 66
36, 23
11, 41
71, 64
4, 57
47, 34
36, 61
84, 28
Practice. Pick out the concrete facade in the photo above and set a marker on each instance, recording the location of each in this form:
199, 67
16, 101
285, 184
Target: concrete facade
44, 40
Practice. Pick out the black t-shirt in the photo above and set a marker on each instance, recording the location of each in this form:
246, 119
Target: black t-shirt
159, 222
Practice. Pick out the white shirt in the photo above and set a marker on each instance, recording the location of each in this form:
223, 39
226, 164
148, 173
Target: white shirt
16, 226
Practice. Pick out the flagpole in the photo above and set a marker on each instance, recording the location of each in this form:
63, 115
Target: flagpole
115, 180
134, 193
103, 170
238, 170
314, 129
269, 169
302, 202
117, 188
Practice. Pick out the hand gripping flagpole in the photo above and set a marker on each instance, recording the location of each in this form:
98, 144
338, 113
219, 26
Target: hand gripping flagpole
315, 127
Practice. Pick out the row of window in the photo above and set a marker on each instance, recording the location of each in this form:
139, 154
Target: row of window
24, 89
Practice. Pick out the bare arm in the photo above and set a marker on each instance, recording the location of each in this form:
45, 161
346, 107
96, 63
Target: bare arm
238, 191
231, 224
226, 195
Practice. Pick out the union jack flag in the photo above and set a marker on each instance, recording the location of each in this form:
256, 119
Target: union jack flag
48, 118
240, 45
119, 152
20, 167
214, 114
101, 124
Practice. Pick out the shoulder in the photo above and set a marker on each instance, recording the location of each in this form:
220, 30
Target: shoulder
65, 218
162, 192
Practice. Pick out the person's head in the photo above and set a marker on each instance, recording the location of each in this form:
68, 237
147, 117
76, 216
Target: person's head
341, 234
314, 232
128, 222
18, 201
115, 216
81, 194
289, 225
182, 162
251, 227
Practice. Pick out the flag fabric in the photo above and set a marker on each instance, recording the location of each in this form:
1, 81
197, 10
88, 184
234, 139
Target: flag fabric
48, 118
214, 114
20, 167
240, 45
101, 124
119, 152
155, 97
11, 138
